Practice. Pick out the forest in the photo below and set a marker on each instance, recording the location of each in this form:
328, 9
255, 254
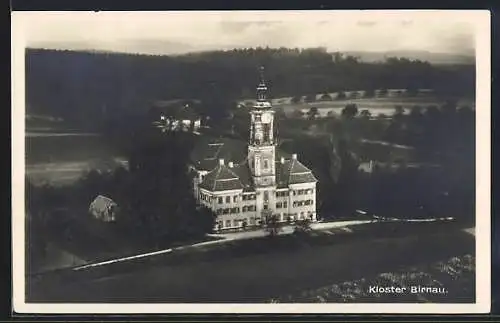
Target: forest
86, 88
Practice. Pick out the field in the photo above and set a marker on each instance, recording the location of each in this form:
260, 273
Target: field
376, 106
63, 158
455, 275
258, 270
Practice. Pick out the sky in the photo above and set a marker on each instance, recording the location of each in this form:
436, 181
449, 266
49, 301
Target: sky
180, 32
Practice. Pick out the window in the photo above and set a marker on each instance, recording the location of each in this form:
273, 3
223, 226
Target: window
285, 204
244, 208
235, 198
228, 199
228, 223
257, 118
307, 202
219, 211
266, 195
266, 164
294, 193
225, 211
278, 205
220, 200
244, 197
267, 132
265, 206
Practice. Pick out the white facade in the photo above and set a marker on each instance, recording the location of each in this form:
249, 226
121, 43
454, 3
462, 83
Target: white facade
285, 188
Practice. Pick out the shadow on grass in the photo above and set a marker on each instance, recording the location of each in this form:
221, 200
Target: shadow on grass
248, 247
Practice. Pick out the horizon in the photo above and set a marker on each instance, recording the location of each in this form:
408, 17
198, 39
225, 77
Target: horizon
346, 52
177, 33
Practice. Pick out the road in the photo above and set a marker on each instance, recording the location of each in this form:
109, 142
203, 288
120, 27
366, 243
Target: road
256, 278
289, 229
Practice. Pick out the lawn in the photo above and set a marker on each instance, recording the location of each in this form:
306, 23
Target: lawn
244, 248
255, 271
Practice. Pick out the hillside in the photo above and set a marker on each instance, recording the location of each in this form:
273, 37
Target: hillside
89, 87
426, 56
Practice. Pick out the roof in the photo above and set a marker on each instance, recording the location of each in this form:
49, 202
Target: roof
101, 202
292, 171
244, 174
221, 178
208, 150
176, 110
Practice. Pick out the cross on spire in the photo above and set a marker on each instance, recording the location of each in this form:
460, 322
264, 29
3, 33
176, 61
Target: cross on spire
262, 78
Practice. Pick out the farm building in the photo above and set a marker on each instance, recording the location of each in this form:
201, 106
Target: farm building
103, 208
177, 116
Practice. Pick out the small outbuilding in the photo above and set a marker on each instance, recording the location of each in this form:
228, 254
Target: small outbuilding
104, 209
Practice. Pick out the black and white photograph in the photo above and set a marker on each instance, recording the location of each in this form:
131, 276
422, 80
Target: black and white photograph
251, 162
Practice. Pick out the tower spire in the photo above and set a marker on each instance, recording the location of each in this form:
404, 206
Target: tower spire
262, 87
261, 73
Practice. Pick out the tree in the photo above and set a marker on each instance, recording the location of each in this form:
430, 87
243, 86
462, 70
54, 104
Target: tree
297, 113
341, 95
330, 114
271, 223
326, 97
365, 114
411, 91
302, 226
310, 98
348, 178
296, 99
350, 111
398, 113
382, 92
370, 93
159, 195
313, 113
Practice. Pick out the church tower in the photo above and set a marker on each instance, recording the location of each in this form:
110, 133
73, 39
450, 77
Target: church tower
261, 147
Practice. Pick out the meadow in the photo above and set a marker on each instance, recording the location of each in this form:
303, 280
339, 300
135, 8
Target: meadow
60, 159
376, 106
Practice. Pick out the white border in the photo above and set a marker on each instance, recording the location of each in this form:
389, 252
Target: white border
479, 18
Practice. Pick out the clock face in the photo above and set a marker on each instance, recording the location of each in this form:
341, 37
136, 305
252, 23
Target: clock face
266, 118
